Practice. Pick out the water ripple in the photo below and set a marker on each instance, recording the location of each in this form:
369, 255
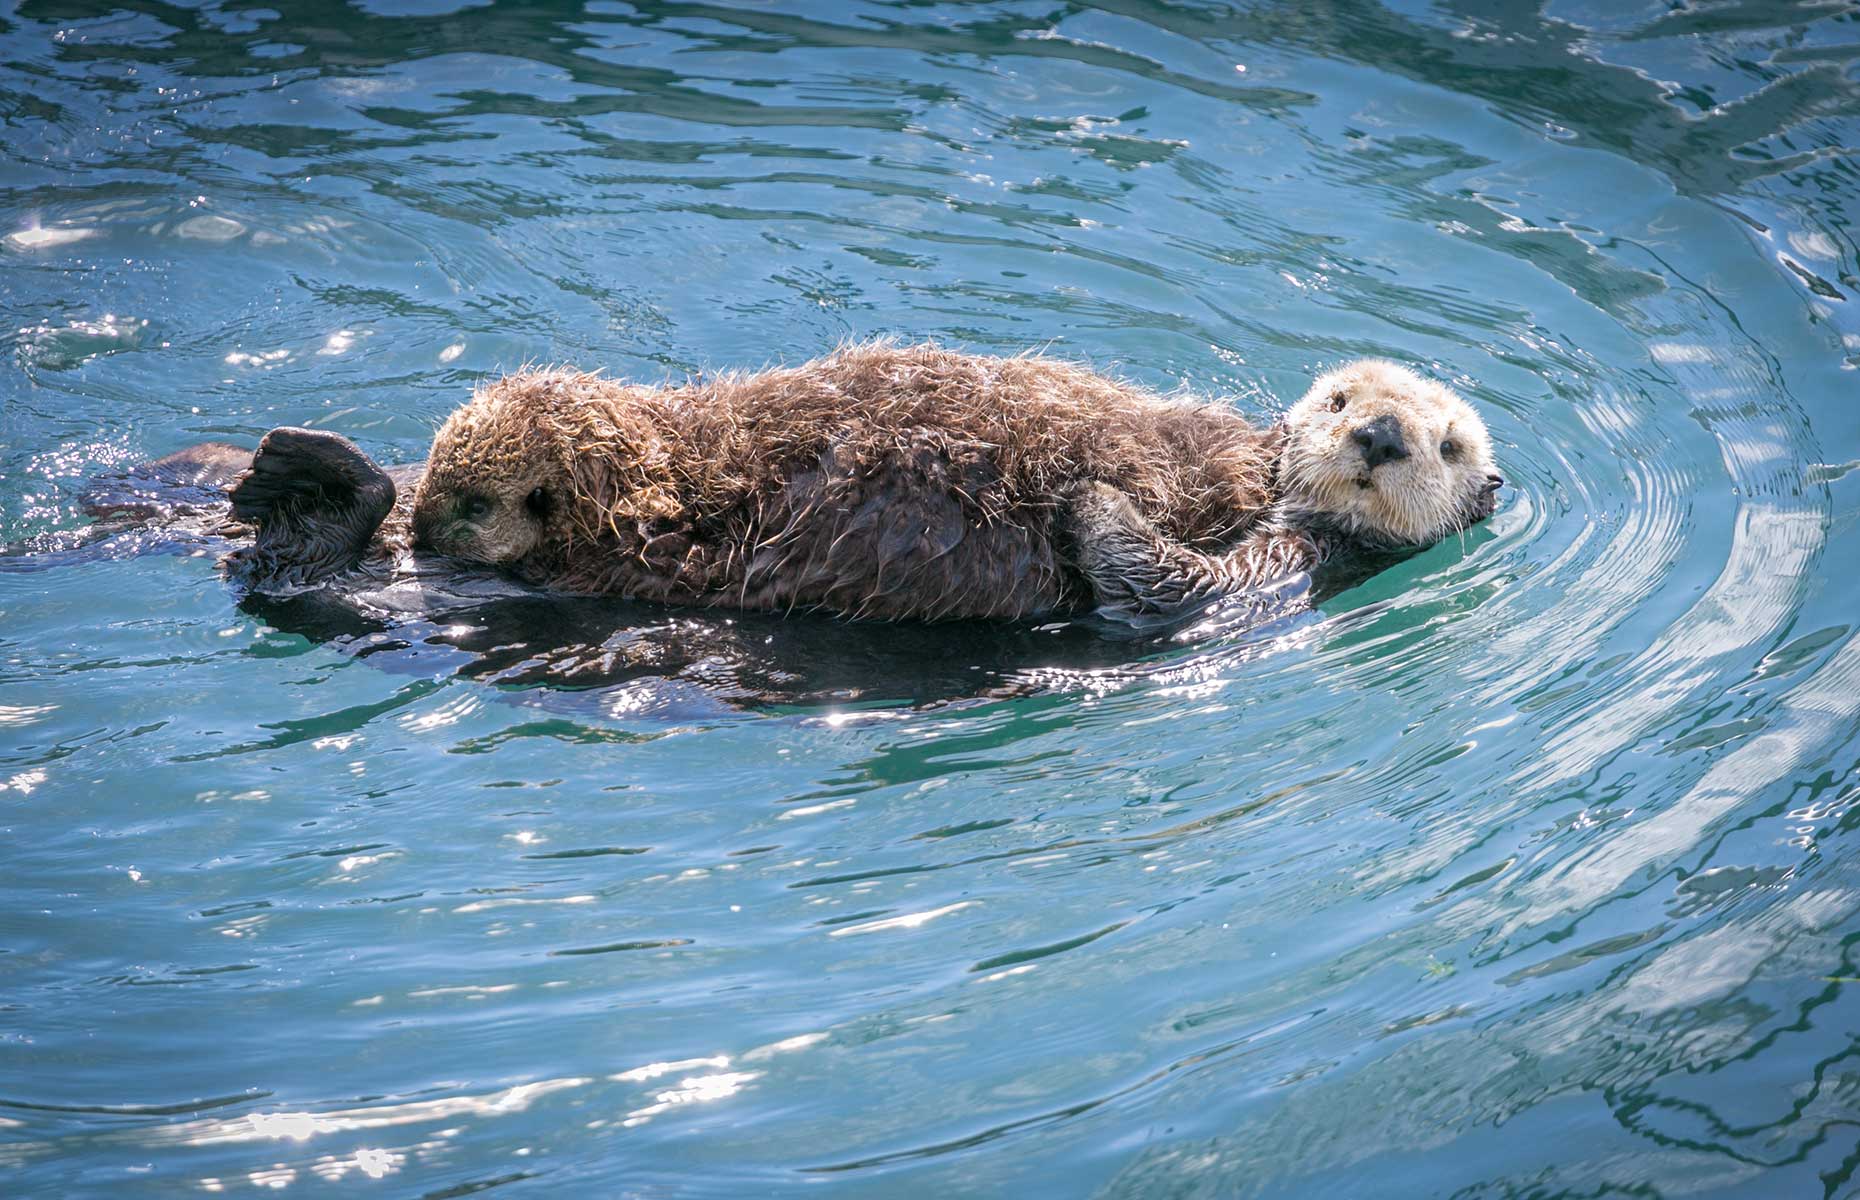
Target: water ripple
1547, 830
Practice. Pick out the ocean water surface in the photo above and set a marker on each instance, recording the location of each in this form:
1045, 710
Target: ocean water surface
1527, 867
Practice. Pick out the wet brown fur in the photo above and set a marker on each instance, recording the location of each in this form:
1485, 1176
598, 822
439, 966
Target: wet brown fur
882, 480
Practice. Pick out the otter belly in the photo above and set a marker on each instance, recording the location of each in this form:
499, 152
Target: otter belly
928, 532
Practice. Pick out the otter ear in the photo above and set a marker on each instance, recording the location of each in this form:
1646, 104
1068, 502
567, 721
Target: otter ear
317, 500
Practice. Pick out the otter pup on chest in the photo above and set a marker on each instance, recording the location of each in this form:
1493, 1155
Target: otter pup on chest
916, 482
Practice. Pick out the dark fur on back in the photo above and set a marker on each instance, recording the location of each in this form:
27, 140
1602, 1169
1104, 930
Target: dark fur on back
882, 480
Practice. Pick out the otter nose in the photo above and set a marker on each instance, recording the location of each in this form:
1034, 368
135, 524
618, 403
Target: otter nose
1380, 441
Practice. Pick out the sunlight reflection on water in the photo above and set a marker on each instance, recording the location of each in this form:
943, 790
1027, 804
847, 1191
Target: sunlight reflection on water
1517, 867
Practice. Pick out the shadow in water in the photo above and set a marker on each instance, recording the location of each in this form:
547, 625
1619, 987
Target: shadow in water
634, 659
624, 658
433, 618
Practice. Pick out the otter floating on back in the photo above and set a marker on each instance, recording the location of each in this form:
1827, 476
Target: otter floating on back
915, 482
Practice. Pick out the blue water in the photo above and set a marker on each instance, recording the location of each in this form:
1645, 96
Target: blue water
1529, 867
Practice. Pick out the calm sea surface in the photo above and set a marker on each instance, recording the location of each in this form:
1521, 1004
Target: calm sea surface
1528, 867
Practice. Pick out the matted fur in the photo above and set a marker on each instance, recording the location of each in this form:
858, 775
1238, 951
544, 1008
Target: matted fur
882, 480
911, 481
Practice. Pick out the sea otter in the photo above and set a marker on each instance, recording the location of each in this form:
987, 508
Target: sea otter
897, 481
1036, 485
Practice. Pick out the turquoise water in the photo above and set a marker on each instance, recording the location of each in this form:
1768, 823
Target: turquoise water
1529, 867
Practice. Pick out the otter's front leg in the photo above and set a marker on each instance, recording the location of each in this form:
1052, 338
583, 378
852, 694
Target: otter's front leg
1134, 569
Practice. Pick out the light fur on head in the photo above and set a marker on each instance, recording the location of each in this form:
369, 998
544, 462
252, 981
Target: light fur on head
1436, 477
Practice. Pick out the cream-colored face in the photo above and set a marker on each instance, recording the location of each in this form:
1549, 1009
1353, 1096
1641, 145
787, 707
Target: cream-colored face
1387, 455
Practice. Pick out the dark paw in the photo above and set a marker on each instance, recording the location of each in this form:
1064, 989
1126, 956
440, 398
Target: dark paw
317, 500
299, 466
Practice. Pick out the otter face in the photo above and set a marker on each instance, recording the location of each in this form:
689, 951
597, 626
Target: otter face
480, 523
487, 496
1388, 456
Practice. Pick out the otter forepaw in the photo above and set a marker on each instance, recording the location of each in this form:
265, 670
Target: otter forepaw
1135, 570
1097, 515
1131, 566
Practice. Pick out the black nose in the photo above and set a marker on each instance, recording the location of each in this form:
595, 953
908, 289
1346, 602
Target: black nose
1494, 482
1381, 442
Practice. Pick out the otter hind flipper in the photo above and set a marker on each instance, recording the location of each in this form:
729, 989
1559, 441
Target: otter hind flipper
1136, 571
186, 482
316, 499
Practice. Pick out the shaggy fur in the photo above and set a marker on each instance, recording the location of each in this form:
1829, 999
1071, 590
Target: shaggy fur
911, 481
882, 480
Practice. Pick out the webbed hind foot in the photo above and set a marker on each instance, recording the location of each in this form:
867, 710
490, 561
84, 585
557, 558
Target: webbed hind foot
316, 499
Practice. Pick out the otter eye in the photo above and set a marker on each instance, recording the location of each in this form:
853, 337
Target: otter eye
537, 502
475, 507
1338, 400
1449, 449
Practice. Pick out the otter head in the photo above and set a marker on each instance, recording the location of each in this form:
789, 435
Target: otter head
495, 485
1387, 456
